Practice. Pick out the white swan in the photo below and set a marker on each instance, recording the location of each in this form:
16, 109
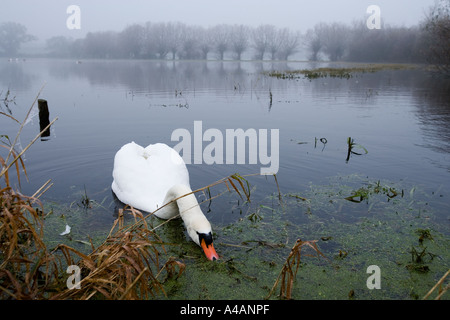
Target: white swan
148, 178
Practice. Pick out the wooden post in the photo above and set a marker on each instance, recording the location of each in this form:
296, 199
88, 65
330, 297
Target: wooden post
44, 117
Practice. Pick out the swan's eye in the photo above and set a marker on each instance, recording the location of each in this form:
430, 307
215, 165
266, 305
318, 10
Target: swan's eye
207, 237
207, 245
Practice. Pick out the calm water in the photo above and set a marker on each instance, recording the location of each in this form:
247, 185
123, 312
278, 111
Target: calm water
401, 117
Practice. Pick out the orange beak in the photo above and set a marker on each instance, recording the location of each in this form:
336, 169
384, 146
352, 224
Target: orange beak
209, 250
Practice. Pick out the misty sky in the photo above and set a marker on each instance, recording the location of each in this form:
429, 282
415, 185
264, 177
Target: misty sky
47, 18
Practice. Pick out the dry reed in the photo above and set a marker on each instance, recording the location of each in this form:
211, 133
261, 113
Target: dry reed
439, 285
125, 266
290, 267
27, 269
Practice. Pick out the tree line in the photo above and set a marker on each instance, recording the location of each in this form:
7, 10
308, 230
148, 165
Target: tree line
427, 42
176, 40
325, 41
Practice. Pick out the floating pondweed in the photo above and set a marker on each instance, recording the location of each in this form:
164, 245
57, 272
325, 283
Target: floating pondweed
342, 73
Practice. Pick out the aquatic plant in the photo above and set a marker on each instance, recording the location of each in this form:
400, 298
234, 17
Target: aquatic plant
341, 73
6, 101
351, 146
27, 269
125, 266
364, 193
290, 267
85, 200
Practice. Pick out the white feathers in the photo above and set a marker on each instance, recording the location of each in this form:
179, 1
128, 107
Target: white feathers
142, 176
67, 231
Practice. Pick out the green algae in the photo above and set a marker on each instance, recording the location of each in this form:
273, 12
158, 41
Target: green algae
403, 235
90, 221
378, 231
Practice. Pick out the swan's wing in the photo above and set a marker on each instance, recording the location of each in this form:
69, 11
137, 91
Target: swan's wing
142, 176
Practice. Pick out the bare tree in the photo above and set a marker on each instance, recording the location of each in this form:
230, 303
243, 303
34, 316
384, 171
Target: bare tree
437, 33
175, 35
158, 37
189, 44
334, 39
259, 42
265, 40
221, 39
273, 40
314, 41
150, 43
239, 40
164, 38
289, 43
204, 37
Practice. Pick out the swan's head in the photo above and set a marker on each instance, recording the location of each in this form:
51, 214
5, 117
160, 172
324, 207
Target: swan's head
199, 229
206, 242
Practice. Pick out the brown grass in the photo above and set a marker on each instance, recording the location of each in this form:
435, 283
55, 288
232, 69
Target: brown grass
290, 267
442, 289
27, 269
125, 266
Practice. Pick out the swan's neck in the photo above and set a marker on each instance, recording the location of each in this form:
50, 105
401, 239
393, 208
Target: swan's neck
188, 208
184, 204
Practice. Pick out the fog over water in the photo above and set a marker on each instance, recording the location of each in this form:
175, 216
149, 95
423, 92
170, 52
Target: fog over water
47, 18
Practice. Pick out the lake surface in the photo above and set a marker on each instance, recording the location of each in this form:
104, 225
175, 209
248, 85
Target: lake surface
401, 117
